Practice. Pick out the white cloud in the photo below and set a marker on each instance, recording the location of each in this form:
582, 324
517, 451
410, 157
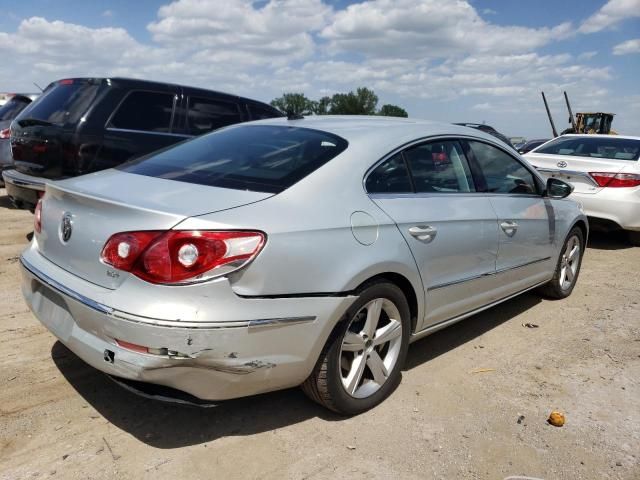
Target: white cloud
428, 29
587, 55
612, 13
625, 48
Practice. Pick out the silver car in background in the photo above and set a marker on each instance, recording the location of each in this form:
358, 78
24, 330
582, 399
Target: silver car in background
294, 252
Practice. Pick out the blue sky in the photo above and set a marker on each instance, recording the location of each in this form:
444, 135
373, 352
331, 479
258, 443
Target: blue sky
478, 60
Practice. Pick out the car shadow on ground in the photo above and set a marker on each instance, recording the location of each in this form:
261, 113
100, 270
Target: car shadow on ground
450, 338
613, 240
5, 202
166, 425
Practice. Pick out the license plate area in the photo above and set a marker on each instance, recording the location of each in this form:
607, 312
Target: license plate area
51, 309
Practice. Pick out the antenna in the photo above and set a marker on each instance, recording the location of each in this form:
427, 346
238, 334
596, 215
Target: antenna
39, 87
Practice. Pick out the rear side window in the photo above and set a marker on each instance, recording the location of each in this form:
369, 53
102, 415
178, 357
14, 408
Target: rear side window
145, 111
260, 158
259, 112
65, 102
595, 146
391, 176
207, 114
13, 107
501, 172
439, 167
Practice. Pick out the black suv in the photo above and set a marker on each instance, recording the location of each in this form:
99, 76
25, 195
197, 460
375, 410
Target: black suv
487, 129
82, 125
8, 112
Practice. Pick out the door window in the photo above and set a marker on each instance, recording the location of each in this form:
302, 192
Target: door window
391, 176
439, 167
145, 111
500, 172
259, 112
207, 114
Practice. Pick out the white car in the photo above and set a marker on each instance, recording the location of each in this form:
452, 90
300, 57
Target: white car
605, 173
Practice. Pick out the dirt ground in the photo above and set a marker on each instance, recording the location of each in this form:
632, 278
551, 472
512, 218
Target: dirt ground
61, 418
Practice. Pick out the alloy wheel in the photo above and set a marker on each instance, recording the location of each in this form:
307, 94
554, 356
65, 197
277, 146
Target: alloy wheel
370, 348
569, 262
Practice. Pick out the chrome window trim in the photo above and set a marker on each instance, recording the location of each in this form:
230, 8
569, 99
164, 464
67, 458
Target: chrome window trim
164, 134
434, 138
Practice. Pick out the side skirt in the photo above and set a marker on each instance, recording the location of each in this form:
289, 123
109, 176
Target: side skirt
439, 326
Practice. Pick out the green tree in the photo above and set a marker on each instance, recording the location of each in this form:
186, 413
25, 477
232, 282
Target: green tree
389, 110
293, 103
321, 107
362, 102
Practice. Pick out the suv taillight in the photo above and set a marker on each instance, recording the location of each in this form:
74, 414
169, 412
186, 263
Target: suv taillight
6, 133
616, 180
37, 217
178, 256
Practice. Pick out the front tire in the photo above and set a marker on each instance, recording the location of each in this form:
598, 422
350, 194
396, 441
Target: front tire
568, 267
362, 361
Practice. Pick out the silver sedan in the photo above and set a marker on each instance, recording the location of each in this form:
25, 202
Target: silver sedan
294, 252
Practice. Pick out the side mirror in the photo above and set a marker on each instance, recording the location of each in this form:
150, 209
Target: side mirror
557, 188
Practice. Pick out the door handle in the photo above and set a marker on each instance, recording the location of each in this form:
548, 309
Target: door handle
424, 233
509, 227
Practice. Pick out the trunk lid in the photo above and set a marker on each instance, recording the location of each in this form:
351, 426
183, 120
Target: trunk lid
574, 170
102, 204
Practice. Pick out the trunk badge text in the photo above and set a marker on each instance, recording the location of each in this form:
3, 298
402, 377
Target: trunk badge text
66, 227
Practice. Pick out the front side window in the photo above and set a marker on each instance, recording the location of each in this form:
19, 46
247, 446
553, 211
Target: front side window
499, 171
259, 112
439, 167
145, 111
391, 176
595, 146
207, 114
259, 158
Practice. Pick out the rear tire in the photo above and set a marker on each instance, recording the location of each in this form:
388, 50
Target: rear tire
361, 363
634, 238
567, 268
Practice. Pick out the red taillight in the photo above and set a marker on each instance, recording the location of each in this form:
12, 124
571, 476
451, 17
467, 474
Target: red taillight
6, 133
37, 217
616, 180
181, 256
66, 81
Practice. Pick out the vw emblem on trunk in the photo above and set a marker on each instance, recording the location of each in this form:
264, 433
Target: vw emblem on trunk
562, 164
66, 227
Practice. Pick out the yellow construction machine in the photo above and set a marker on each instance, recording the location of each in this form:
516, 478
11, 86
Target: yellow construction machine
584, 122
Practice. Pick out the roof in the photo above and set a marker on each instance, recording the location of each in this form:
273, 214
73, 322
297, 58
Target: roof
591, 135
376, 129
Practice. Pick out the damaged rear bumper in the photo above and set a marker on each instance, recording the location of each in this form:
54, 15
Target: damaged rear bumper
212, 361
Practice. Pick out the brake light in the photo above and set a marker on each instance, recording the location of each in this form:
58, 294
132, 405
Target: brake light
66, 81
179, 256
616, 180
37, 217
6, 133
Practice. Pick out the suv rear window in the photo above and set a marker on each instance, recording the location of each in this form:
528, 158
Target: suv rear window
595, 146
65, 102
13, 107
260, 158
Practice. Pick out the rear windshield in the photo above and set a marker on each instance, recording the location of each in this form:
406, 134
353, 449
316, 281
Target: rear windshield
260, 158
595, 146
13, 107
65, 102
